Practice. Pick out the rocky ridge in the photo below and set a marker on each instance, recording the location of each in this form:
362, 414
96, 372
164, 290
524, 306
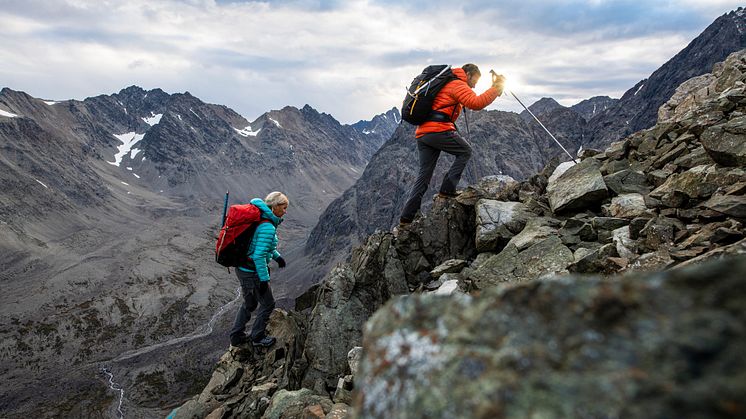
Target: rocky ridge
516, 330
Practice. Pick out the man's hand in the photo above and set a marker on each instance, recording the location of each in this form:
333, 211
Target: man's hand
263, 287
498, 82
281, 262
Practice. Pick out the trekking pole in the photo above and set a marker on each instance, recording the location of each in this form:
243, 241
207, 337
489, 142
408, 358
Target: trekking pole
537, 120
225, 209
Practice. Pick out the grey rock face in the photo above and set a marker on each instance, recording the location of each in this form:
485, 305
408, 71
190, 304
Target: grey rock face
547, 257
594, 106
627, 181
449, 266
498, 222
733, 205
496, 187
726, 143
581, 186
535, 344
696, 183
347, 297
629, 205
246, 379
293, 404
537, 229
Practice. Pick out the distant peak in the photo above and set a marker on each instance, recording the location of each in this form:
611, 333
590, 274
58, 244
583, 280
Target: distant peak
132, 89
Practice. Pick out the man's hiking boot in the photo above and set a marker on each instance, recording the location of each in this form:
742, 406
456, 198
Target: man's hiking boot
240, 340
448, 195
265, 341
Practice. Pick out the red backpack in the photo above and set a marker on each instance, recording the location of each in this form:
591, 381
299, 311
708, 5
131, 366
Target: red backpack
236, 235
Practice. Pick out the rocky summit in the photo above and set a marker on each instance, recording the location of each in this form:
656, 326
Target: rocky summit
613, 287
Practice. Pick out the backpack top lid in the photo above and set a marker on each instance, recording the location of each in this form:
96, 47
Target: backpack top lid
417, 106
236, 234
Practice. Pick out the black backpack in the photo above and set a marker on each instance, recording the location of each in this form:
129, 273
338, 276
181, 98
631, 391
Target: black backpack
418, 102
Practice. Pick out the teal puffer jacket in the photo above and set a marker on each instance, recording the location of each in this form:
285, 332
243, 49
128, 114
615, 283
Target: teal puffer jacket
263, 247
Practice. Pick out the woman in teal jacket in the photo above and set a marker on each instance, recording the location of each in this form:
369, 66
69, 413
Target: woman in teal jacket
254, 277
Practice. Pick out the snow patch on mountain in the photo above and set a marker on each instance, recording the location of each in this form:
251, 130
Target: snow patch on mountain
154, 119
8, 114
51, 102
128, 140
42, 183
276, 123
247, 131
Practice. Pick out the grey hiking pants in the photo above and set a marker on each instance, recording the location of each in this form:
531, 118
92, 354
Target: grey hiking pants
429, 147
251, 298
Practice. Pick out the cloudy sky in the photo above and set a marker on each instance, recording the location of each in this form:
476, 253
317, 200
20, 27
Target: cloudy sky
351, 59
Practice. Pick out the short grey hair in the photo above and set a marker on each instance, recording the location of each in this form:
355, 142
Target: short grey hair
276, 198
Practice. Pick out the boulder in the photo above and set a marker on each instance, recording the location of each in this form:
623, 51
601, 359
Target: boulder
536, 230
292, 404
732, 205
726, 143
624, 244
628, 205
448, 287
659, 232
653, 261
596, 261
498, 187
353, 358
686, 98
576, 230
498, 222
339, 411
696, 157
447, 267
651, 345
626, 181
699, 182
608, 223
581, 186
544, 258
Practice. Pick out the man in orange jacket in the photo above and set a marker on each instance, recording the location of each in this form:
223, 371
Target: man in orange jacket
439, 134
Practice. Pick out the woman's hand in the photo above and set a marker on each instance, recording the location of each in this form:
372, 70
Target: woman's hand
281, 262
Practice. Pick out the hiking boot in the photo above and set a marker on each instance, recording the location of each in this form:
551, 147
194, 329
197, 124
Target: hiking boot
448, 195
240, 340
265, 341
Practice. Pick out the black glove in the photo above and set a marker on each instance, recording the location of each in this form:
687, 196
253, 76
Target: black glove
281, 262
263, 287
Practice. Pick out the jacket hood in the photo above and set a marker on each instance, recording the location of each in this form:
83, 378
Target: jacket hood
266, 211
460, 73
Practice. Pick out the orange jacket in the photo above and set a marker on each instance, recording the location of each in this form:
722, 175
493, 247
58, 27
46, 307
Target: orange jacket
451, 98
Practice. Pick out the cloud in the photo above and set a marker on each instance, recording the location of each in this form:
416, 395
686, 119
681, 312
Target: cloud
350, 59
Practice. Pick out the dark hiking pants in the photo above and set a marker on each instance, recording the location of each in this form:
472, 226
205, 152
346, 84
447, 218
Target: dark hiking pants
429, 147
251, 298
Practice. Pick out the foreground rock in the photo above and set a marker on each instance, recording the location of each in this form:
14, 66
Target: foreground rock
663, 345
246, 379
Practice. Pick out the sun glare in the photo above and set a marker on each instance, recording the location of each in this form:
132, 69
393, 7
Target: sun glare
512, 83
